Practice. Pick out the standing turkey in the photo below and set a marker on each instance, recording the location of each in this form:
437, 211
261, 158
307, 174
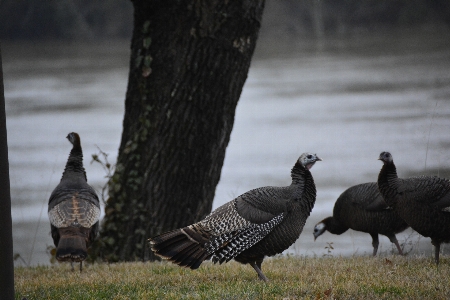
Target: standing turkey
261, 222
362, 208
422, 201
73, 209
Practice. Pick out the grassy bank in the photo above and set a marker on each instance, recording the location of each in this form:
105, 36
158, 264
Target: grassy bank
388, 277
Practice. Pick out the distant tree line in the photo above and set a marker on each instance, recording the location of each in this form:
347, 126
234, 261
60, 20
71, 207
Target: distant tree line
339, 16
65, 19
89, 19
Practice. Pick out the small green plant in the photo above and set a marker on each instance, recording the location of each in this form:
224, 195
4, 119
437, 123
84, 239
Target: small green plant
329, 247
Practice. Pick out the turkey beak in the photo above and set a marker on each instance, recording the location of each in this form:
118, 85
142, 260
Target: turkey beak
318, 158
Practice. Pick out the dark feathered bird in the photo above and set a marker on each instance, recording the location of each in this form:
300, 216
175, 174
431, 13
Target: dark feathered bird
258, 223
362, 208
73, 209
422, 201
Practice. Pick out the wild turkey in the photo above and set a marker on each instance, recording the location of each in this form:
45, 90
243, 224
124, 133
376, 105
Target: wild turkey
362, 208
73, 209
422, 201
261, 222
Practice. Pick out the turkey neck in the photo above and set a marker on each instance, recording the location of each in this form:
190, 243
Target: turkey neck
74, 164
388, 183
333, 226
298, 173
299, 176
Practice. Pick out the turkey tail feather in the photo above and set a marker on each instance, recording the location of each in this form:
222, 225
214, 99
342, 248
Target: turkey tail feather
72, 245
181, 248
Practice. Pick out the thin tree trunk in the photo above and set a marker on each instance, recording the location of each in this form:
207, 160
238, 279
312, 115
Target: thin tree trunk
6, 248
189, 62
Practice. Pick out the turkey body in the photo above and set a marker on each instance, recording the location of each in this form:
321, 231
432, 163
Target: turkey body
422, 201
261, 222
73, 209
362, 208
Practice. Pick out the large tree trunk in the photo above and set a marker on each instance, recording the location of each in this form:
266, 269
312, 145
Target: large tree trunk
6, 248
189, 62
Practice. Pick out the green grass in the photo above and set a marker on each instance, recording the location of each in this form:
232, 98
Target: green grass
388, 277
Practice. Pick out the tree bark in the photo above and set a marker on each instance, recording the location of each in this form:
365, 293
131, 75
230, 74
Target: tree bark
189, 62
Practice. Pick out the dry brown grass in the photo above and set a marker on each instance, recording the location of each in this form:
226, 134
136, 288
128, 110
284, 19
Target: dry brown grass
388, 277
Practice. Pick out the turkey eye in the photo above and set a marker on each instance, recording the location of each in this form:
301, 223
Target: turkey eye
309, 156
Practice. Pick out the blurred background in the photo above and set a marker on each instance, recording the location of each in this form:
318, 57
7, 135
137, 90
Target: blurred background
106, 19
345, 79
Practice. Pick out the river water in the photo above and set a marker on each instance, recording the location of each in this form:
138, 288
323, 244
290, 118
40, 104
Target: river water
346, 99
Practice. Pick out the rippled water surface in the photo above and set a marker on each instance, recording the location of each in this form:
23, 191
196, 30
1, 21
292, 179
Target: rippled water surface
346, 99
